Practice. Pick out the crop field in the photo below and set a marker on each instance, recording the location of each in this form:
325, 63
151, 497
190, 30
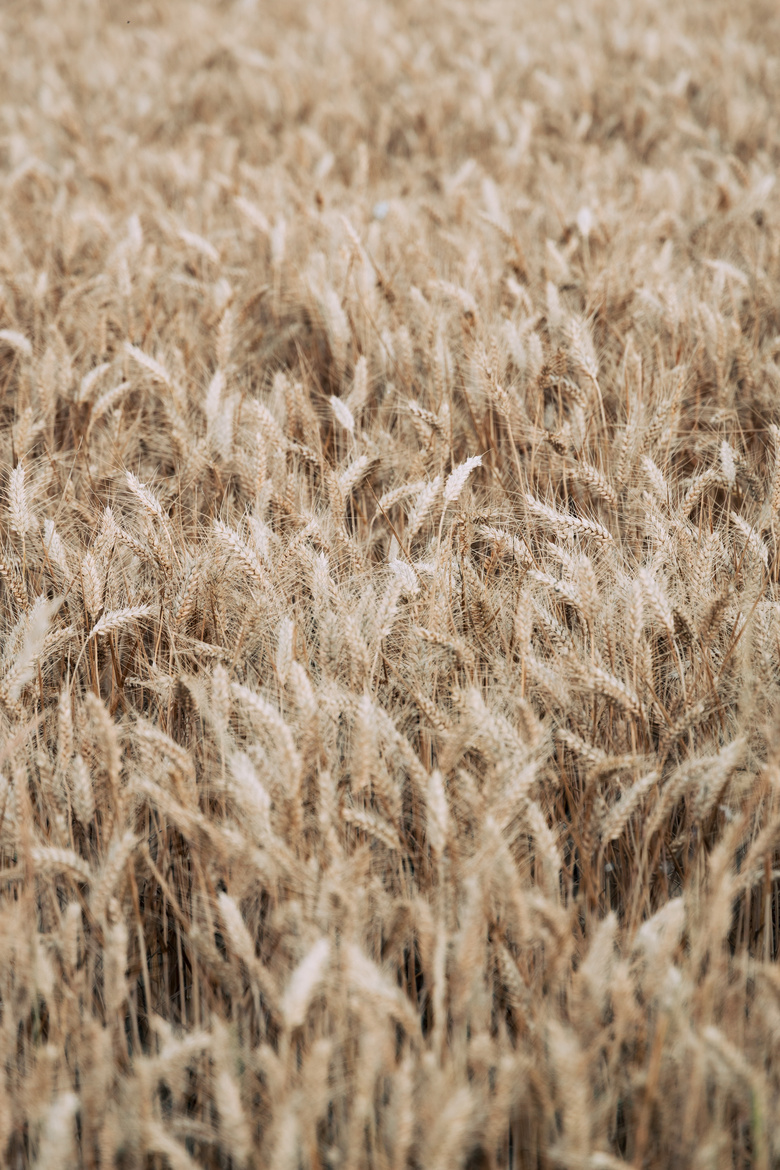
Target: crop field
389, 585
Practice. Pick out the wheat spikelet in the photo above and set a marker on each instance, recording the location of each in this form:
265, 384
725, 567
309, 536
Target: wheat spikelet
387, 610
343, 414
698, 486
728, 462
92, 585
775, 492
150, 364
338, 327
22, 518
451, 1131
161, 744
626, 452
506, 405
129, 541
275, 724
435, 716
220, 698
390, 498
9, 809
241, 550
237, 1137
656, 524
146, 497
323, 587
718, 770
372, 825
33, 647
238, 935
754, 541
198, 244
82, 793
51, 782
438, 812
17, 341
55, 548
90, 381
58, 1141
460, 295
406, 576
304, 982
254, 214
65, 741
434, 638
226, 332
523, 624
185, 602
677, 785
364, 747
427, 417
636, 614
582, 348
559, 635
586, 751
104, 886
116, 618
563, 589
619, 816
456, 480
352, 475
592, 479
564, 522
604, 683
284, 649
727, 1054
505, 540
371, 985
106, 737
14, 585
48, 859
548, 679
70, 932
213, 401
105, 402
358, 395
656, 601
545, 840
664, 409
655, 478
157, 1141
422, 507
251, 797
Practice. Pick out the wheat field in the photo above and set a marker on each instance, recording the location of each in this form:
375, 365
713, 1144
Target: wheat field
389, 585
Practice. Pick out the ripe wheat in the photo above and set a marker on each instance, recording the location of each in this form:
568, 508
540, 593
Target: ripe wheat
389, 585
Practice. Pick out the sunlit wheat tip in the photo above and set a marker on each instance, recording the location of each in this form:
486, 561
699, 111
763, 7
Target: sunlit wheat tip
456, 480
22, 518
343, 413
304, 981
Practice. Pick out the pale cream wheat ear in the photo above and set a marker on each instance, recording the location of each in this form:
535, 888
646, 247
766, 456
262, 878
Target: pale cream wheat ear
111, 621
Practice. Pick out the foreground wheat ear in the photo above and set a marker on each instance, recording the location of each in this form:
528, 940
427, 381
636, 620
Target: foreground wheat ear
389, 612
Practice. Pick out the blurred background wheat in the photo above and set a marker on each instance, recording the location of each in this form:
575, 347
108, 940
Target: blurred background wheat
389, 555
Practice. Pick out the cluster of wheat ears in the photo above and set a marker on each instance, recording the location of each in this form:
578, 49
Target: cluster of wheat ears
389, 599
